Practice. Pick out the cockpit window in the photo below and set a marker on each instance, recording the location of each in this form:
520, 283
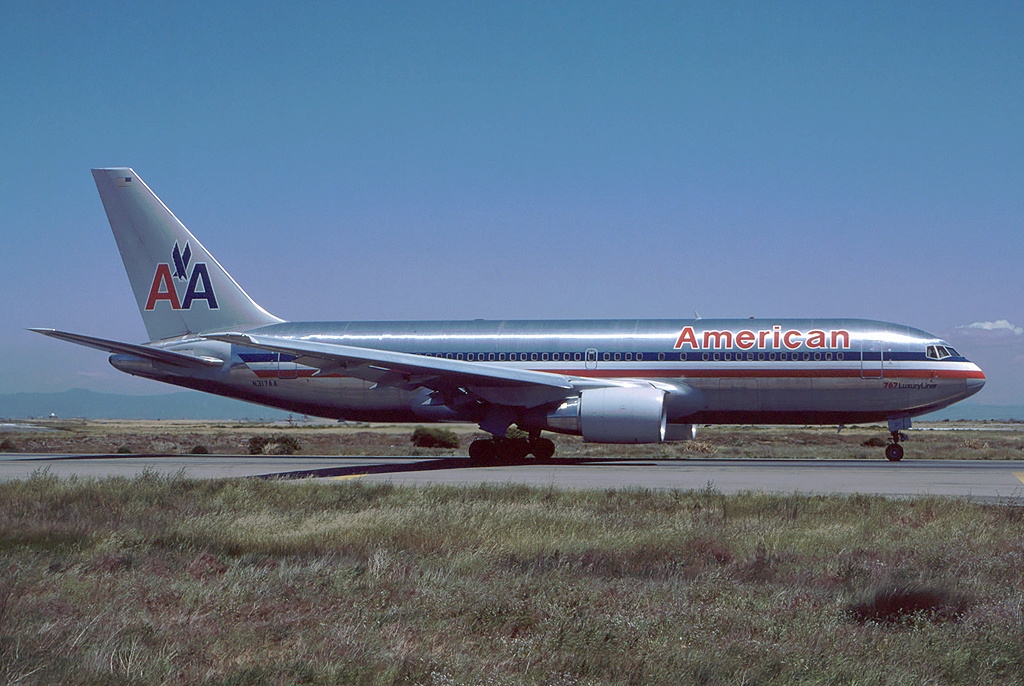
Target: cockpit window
940, 352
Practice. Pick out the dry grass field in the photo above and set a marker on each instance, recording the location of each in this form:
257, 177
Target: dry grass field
974, 440
170, 581
166, 580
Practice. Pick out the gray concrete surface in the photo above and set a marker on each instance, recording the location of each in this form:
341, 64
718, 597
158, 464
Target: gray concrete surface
986, 481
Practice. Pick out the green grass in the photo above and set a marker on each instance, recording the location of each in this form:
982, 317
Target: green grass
169, 580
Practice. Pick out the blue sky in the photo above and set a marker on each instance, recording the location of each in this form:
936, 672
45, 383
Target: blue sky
389, 160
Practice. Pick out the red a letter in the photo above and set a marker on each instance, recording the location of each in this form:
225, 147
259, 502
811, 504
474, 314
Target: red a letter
686, 336
167, 292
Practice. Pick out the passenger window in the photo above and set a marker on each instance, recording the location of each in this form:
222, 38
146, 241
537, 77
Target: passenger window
501, 357
629, 356
448, 356
618, 356
607, 356
639, 356
544, 356
469, 357
459, 356
577, 357
817, 357
555, 356
661, 356
533, 356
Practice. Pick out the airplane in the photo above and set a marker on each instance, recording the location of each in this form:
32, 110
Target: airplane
610, 381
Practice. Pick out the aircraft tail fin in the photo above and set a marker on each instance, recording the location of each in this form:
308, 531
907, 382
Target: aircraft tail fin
179, 286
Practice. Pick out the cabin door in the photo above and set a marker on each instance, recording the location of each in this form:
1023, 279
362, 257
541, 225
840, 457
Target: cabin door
871, 359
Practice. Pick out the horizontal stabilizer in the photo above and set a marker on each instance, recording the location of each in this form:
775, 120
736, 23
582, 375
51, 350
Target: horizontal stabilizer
165, 356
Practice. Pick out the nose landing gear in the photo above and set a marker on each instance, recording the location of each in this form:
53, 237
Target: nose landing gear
894, 451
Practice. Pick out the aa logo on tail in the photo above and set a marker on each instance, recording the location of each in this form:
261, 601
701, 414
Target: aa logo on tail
199, 285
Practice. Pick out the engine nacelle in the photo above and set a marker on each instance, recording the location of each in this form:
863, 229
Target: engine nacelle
614, 415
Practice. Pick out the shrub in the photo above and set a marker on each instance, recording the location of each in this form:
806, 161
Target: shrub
123, 450
8, 446
199, 450
875, 442
514, 433
891, 604
433, 437
278, 444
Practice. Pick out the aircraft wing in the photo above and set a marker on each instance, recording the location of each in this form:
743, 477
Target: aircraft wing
519, 387
145, 351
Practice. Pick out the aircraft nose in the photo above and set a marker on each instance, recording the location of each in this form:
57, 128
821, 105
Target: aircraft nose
975, 383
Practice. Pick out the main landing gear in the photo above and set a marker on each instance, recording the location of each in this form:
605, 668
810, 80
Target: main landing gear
510, 450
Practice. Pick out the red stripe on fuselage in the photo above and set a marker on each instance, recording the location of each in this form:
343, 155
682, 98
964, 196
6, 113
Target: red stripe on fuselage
706, 373
710, 373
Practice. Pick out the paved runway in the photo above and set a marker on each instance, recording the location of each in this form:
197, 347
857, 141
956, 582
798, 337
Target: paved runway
986, 481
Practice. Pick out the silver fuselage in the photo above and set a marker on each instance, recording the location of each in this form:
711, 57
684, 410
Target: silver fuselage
779, 371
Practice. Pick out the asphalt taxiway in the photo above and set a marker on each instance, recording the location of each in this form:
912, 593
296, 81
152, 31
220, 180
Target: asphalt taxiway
997, 481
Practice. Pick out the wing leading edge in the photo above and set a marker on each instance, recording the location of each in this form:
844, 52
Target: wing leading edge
495, 384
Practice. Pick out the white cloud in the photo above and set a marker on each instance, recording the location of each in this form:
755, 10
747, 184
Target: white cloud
1001, 325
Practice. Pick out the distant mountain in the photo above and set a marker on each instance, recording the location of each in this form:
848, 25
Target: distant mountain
196, 405
90, 405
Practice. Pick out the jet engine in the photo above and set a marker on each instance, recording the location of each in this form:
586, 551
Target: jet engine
613, 415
